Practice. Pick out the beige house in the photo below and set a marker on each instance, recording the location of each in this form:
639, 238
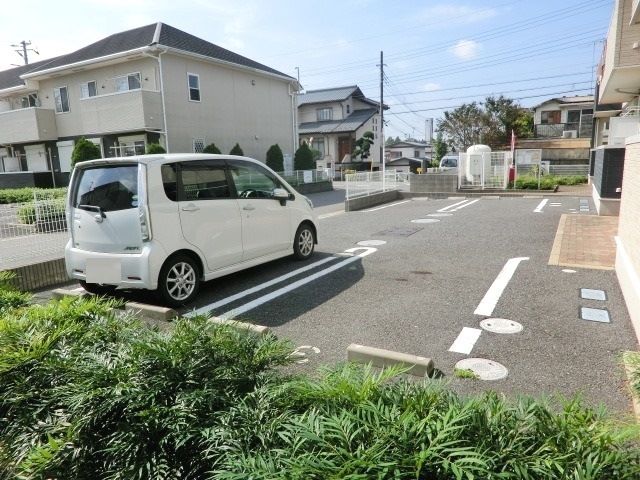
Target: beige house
616, 156
332, 119
150, 84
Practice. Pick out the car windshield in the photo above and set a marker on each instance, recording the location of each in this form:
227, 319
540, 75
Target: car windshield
109, 188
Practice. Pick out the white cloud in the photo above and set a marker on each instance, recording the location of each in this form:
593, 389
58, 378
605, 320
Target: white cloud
462, 14
431, 87
466, 49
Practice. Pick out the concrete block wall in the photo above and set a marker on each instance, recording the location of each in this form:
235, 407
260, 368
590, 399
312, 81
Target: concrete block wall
369, 201
628, 240
433, 182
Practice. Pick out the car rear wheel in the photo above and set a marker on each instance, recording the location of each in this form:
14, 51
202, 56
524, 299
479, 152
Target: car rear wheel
98, 288
304, 242
179, 281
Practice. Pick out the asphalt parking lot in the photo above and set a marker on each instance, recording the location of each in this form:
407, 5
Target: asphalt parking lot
414, 288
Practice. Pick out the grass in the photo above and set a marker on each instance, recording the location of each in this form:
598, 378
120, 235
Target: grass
465, 373
632, 361
86, 394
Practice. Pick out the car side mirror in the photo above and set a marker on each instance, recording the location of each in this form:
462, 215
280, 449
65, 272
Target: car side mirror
280, 194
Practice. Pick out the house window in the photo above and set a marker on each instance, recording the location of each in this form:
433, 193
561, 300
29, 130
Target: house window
193, 82
88, 89
550, 117
318, 146
30, 100
416, 154
128, 82
129, 146
324, 114
348, 109
61, 97
198, 145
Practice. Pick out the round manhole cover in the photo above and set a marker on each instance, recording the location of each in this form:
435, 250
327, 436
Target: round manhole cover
425, 220
500, 325
440, 214
483, 368
371, 243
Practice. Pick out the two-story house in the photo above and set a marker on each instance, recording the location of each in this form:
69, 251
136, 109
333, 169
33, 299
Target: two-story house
149, 84
616, 155
332, 119
407, 156
562, 130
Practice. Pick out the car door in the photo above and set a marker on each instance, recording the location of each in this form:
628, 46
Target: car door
209, 215
266, 222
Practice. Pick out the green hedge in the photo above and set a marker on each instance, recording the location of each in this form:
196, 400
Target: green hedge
48, 211
21, 195
549, 182
86, 394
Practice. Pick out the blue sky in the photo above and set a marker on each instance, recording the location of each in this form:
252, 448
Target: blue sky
439, 54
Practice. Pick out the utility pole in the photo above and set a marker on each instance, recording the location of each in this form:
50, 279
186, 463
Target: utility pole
381, 137
22, 50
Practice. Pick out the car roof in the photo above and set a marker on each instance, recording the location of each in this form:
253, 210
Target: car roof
164, 158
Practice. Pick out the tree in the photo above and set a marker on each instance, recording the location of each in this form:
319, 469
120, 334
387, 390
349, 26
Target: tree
84, 150
439, 149
211, 148
389, 141
303, 158
236, 150
275, 159
463, 126
154, 148
363, 145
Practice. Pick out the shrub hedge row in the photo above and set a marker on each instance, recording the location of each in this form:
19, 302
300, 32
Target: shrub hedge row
21, 195
85, 394
548, 182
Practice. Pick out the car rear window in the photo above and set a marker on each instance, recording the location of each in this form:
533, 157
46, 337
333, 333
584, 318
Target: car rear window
111, 188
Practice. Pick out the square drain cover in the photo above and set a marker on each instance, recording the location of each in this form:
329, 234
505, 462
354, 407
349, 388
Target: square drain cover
399, 231
590, 294
595, 314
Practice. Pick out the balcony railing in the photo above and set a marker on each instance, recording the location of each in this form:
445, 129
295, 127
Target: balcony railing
565, 130
27, 125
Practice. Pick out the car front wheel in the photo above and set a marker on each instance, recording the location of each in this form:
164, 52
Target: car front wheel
179, 281
304, 242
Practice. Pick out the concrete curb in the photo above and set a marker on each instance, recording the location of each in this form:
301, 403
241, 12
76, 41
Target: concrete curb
152, 312
259, 329
419, 366
59, 293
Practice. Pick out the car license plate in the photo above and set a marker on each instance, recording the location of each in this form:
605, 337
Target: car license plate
103, 270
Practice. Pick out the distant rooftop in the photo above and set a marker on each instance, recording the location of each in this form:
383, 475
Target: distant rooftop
335, 94
569, 100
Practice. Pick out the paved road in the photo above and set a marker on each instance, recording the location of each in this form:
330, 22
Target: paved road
419, 290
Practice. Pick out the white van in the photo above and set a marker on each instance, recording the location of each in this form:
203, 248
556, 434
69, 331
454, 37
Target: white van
168, 222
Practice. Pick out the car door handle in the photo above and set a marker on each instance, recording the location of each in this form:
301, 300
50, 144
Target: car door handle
248, 207
190, 208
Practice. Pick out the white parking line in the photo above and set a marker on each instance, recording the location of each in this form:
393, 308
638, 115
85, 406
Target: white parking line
541, 206
257, 288
490, 299
281, 291
465, 341
332, 214
387, 206
451, 206
466, 205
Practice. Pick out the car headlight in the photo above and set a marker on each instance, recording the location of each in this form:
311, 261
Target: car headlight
308, 201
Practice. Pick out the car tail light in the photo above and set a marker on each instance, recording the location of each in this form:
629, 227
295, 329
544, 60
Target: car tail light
143, 208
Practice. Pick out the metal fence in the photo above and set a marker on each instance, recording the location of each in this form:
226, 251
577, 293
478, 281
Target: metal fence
361, 184
34, 231
567, 170
484, 170
299, 177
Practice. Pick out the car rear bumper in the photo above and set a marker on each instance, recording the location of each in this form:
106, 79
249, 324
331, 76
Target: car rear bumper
138, 270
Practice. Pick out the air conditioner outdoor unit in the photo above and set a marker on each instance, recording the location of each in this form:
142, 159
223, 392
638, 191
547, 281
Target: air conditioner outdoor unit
569, 134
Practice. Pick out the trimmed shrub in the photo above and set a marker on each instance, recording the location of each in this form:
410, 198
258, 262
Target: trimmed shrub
84, 150
154, 148
45, 211
211, 148
22, 195
303, 159
275, 159
548, 182
236, 150
10, 297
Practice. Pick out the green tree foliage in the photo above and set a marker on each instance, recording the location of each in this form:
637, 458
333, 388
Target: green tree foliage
211, 148
490, 122
275, 159
439, 149
154, 148
389, 141
363, 145
303, 159
84, 150
236, 150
